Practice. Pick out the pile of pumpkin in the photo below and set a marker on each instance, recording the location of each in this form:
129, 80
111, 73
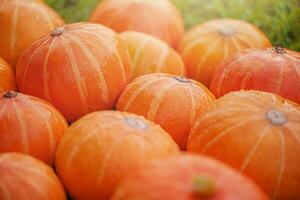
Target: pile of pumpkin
162, 136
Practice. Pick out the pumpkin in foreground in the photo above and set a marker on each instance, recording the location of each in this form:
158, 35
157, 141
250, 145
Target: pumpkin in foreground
24, 177
151, 55
158, 18
174, 102
275, 70
30, 125
7, 77
100, 149
187, 177
21, 23
258, 134
208, 45
78, 68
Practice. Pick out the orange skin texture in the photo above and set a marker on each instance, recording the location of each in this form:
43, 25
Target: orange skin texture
158, 18
84, 69
236, 130
264, 70
100, 149
7, 77
22, 23
24, 177
31, 126
151, 55
206, 46
173, 178
167, 101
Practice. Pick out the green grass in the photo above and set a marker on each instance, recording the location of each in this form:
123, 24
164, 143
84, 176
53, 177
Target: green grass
279, 19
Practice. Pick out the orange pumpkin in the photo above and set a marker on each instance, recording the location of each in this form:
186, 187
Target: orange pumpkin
100, 149
158, 18
171, 101
7, 77
257, 133
23, 177
21, 23
208, 45
149, 55
78, 68
29, 125
275, 70
187, 177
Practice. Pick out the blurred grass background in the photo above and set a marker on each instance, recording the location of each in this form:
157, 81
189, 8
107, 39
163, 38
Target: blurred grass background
279, 19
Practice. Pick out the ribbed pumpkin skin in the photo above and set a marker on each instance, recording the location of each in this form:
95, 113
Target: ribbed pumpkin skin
79, 68
100, 149
31, 126
174, 178
208, 45
7, 77
21, 23
172, 102
275, 70
257, 133
151, 55
158, 18
26, 178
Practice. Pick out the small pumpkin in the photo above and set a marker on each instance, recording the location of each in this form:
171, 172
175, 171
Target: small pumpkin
7, 77
102, 148
256, 133
151, 55
29, 125
158, 18
173, 102
208, 45
24, 177
21, 23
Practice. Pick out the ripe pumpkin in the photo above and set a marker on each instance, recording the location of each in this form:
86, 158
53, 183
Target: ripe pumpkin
7, 77
257, 133
208, 45
187, 177
149, 55
275, 70
24, 177
21, 23
29, 125
158, 18
100, 149
171, 101
78, 68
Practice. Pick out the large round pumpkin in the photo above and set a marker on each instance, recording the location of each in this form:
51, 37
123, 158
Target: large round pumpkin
78, 68
173, 102
23, 177
257, 133
208, 45
187, 177
21, 23
158, 18
7, 77
275, 70
100, 149
151, 55
29, 125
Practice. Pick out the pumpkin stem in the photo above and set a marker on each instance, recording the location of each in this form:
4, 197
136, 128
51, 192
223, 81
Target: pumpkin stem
182, 79
279, 49
10, 94
204, 186
58, 31
276, 117
227, 31
135, 123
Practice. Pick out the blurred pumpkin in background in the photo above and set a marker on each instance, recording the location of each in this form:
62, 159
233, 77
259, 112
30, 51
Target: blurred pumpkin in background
158, 18
258, 134
151, 55
208, 45
7, 77
21, 23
